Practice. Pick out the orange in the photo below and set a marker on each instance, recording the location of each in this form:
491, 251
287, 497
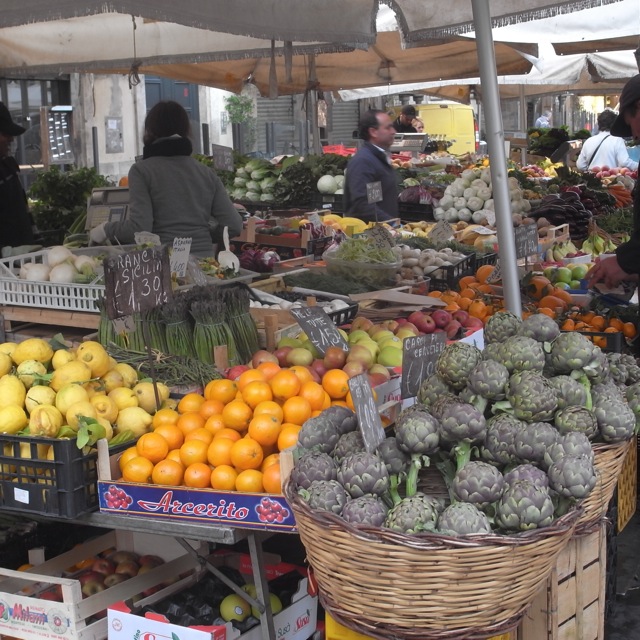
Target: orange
172, 434
629, 330
190, 402
285, 384
314, 393
270, 408
127, 454
214, 423
138, 469
271, 480
256, 392
246, 453
210, 407
264, 429
335, 383
198, 475
478, 309
268, 369
483, 273
228, 434
551, 302
190, 421
327, 401
297, 410
223, 478
249, 481
152, 446
237, 415
349, 399
219, 452
465, 281
164, 416
304, 375
315, 414
174, 455
251, 375
616, 323
598, 323
272, 458
339, 403
200, 434
168, 472
193, 451
222, 389
288, 436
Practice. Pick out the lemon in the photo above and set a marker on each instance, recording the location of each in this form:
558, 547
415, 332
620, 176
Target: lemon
39, 395
45, 420
95, 356
147, 397
69, 395
33, 349
134, 419
128, 373
74, 371
6, 364
123, 397
78, 410
112, 380
169, 403
62, 356
112, 363
108, 427
12, 419
28, 370
94, 387
12, 392
8, 347
105, 407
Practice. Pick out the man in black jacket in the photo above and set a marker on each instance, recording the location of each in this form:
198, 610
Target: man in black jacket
372, 163
404, 122
15, 219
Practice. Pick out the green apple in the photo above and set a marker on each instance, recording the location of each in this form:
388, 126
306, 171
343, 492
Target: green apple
563, 274
579, 271
391, 342
379, 336
234, 607
390, 357
344, 334
550, 273
309, 346
289, 342
373, 347
358, 335
563, 285
575, 284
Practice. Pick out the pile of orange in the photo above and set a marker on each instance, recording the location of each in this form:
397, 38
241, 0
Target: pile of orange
591, 322
230, 437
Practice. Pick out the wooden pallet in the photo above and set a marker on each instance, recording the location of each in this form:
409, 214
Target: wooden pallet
57, 317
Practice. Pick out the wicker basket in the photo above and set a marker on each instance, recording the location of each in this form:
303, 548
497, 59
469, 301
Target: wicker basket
608, 461
391, 585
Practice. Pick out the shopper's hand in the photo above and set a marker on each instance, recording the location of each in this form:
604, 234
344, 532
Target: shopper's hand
97, 235
609, 272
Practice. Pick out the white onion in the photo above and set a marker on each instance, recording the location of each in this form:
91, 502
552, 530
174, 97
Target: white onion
35, 271
63, 273
58, 255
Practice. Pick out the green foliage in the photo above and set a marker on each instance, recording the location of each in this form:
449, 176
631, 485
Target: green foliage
240, 110
58, 197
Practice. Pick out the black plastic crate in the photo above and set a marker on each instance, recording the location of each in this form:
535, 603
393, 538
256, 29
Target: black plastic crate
327, 201
409, 212
31, 483
17, 538
481, 259
448, 277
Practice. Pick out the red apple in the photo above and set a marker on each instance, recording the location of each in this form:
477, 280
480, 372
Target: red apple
281, 355
314, 373
103, 566
427, 324
360, 353
354, 368
376, 379
262, 356
401, 321
453, 330
123, 556
461, 316
54, 594
319, 367
381, 370
415, 318
334, 358
90, 576
91, 588
441, 317
128, 568
361, 323
473, 323
154, 561
234, 372
115, 578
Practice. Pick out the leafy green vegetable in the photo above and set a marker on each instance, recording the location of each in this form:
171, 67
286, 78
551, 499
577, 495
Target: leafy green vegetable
364, 249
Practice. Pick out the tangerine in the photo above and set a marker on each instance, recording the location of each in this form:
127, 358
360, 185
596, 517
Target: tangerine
629, 330
304, 375
219, 452
198, 475
190, 402
164, 416
214, 423
256, 392
250, 375
297, 410
271, 479
152, 446
288, 436
172, 434
314, 393
272, 458
264, 429
483, 273
246, 453
210, 407
168, 472
223, 478
285, 384
200, 434
221, 389
193, 451
127, 454
228, 434
336, 383
268, 369
250, 481
138, 470
270, 408
190, 421
616, 323
237, 415
174, 455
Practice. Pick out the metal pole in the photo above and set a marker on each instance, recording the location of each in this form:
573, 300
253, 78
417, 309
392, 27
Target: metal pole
523, 122
495, 140
96, 152
206, 148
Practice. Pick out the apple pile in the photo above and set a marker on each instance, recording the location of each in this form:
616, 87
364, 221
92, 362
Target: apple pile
569, 276
605, 172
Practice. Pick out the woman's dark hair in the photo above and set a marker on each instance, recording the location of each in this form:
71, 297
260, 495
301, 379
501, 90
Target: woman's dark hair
368, 120
606, 119
166, 118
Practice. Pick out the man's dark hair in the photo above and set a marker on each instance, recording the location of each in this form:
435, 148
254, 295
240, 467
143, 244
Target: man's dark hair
606, 119
409, 110
368, 120
166, 118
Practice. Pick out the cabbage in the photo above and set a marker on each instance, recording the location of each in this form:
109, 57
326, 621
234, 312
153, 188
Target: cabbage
340, 181
327, 184
254, 196
239, 182
252, 185
451, 215
241, 173
260, 174
470, 192
267, 184
238, 194
254, 164
267, 197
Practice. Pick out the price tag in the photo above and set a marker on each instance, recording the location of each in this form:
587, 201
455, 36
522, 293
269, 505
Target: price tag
126, 324
315, 219
419, 358
496, 274
137, 281
490, 217
321, 330
526, 237
366, 412
146, 237
222, 157
374, 192
484, 231
381, 237
441, 232
180, 256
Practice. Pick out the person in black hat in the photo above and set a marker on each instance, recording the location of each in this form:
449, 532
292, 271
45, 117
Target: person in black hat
403, 123
625, 265
16, 225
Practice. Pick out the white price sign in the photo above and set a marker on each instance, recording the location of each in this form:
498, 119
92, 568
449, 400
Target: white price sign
441, 232
179, 256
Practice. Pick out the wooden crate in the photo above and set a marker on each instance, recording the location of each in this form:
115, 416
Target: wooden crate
572, 603
628, 487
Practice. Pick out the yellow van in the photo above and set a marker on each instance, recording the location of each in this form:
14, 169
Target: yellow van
455, 121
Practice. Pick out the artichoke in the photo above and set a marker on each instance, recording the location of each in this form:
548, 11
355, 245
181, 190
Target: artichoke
617, 368
395, 459
412, 515
533, 440
604, 391
432, 388
318, 434
478, 483
531, 397
524, 506
500, 326
342, 417
366, 510
576, 419
519, 353
489, 379
527, 472
570, 392
632, 395
463, 518
456, 362
462, 425
597, 369
572, 476
351, 442
570, 444
616, 420
571, 351
499, 441
312, 466
633, 369
540, 327
363, 474
492, 351
325, 495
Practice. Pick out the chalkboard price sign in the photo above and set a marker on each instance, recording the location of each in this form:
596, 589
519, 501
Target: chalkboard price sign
366, 412
374, 192
381, 237
419, 357
222, 157
137, 281
321, 330
526, 237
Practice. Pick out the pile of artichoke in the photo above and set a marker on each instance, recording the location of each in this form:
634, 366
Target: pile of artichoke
509, 428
